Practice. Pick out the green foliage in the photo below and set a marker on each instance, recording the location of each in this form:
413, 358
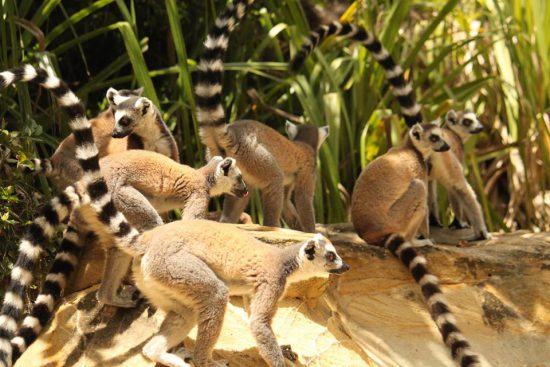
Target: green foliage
490, 55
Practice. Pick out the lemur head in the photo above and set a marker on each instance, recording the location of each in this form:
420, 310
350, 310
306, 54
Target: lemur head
227, 178
130, 110
463, 123
427, 138
312, 135
318, 257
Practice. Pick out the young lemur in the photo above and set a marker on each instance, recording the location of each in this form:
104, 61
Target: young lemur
447, 168
268, 160
93, 194
131, 122
443, 168
389, 207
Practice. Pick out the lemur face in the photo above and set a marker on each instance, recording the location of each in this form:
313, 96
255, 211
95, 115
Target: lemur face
130, 110
229, 179
319, 256
428, 138
463, 123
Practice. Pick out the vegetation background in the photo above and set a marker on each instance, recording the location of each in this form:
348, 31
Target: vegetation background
489, 55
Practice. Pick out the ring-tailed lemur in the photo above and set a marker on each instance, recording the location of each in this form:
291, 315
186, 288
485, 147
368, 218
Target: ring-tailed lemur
143, 184
131, 122
448, 169
388, 208
402, 89
192, 267
405, 95
268, 160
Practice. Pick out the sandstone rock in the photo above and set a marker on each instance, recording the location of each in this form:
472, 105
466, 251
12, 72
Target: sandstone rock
371, 316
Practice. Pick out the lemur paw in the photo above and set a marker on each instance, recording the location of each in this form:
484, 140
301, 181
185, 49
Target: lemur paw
288, 353
456, 225
435, 221
126, 298
183, 353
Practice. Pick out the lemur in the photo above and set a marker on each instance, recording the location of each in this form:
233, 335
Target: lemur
389, 207
92, 194
131, 122
190, 268
447, 168
268, 160
410, 110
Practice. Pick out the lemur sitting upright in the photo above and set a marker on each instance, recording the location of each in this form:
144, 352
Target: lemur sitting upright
389, 207
131, 122
447, 168
405, 96
268, 160
92, 196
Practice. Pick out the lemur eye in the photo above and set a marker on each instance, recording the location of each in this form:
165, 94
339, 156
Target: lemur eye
434, 138
330, 256
467, 122
125, 121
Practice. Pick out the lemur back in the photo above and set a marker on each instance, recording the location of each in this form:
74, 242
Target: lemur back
146, 131
389, 207
268, 160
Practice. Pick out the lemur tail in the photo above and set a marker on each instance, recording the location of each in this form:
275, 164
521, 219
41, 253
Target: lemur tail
210, 109
442, 315
96, 191
64, 264
402, 90
30, 248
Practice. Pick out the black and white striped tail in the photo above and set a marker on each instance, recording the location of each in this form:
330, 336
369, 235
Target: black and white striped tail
64, 264
31, 248
402, 90
442, 315
208, 90
97, 196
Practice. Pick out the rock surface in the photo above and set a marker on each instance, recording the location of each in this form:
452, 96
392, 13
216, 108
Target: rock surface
371, 316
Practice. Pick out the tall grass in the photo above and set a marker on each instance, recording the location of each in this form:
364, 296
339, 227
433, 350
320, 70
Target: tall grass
490, 55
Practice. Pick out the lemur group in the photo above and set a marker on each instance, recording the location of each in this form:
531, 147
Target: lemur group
119, 172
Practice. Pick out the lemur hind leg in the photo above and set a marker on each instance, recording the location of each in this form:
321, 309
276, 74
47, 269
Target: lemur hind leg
272, 199
190, 284
141, 214
459, 221
411, 208
472, 209
433, 205
233, 207
173, 331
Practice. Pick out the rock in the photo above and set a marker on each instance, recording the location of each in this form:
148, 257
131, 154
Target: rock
371, 316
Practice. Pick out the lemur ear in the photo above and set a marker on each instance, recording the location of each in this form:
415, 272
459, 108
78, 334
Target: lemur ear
291, 130
110, 95
451, 117
138, 91
323, 135
309, 250
143, 105
415, 131
226, 166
